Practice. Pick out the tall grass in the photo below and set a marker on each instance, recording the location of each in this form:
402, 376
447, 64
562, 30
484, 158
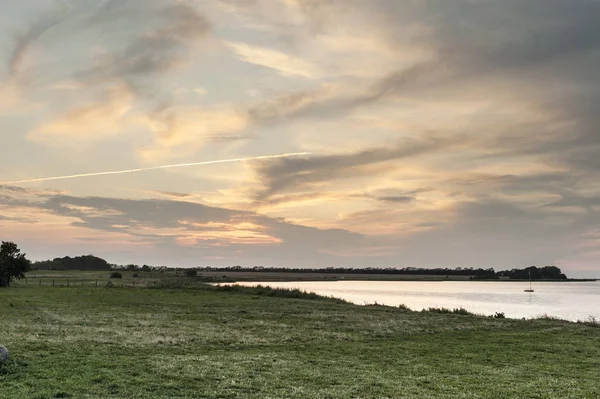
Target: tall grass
261, 290
460, 311
591, 321
547, 317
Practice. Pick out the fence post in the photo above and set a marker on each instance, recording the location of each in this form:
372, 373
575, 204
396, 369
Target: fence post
53, 282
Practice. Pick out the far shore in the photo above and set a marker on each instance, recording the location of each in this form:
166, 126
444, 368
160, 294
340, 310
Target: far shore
261, 276
142, 278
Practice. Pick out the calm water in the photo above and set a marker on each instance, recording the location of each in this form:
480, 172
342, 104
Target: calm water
572, 301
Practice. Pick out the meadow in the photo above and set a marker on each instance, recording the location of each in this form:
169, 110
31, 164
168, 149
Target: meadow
198, 341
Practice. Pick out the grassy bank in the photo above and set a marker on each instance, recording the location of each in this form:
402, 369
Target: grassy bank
82, 342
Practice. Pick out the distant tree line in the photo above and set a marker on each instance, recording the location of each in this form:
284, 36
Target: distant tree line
91, 262
536, 273
87, 262
367, 270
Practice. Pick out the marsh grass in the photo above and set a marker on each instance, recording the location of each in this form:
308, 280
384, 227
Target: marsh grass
460, 311
591, 321
261, 290
210, 342
548, 317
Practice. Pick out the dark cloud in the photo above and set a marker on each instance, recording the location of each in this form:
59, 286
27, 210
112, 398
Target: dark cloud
113, 10
144, 220
155, 49
298, 173
22, 42
286, 105
532, 183
543, 52
496, 233
396, 199
17, 219
13, 189
571, 199
513, 33
295, 197
140, 39
480, 233
322, 102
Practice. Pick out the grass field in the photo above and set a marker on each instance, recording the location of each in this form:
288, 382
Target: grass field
141, 278
85, 342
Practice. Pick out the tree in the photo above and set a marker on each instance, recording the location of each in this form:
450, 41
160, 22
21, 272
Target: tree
13, 263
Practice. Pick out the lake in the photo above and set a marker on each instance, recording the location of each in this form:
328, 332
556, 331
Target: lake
571, 301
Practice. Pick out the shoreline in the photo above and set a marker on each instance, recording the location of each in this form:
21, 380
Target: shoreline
459, 307
316, 277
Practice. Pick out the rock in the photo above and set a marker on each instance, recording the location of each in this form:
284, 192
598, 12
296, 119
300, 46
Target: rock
3, 355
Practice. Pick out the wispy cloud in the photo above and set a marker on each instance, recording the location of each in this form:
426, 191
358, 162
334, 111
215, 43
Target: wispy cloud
88, 123
23, 41
286, 64
296, 174
160, 49
184, 130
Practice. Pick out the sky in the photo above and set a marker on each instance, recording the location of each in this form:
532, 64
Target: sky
355, 133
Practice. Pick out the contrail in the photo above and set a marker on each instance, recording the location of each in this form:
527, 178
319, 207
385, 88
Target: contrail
181, 165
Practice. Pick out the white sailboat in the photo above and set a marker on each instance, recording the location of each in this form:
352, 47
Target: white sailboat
530, 289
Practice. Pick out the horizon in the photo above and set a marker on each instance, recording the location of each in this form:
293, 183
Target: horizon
267, 268
303, 133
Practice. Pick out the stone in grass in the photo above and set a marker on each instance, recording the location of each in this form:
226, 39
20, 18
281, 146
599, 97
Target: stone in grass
3, 355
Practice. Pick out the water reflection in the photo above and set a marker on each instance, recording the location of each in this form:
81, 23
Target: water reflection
572, 301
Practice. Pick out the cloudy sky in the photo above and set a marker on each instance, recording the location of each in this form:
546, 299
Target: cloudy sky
459, 133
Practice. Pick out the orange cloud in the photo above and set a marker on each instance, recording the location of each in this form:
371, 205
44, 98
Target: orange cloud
183, 131
91, 122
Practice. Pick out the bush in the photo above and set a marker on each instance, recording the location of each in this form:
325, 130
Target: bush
116, 275
499, 315
192, 273
460, 311
136, 275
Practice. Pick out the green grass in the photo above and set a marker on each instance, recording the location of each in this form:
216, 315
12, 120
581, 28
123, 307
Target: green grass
84, 342
460, 311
